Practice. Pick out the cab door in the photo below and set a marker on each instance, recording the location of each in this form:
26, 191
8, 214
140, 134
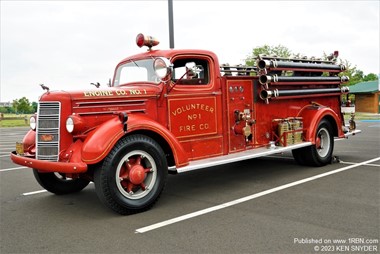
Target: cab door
194, 106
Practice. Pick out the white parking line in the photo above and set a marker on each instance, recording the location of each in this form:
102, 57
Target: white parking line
247, 198
10, 169
33, 192
38, 192
353, 163
7, 148
11, 134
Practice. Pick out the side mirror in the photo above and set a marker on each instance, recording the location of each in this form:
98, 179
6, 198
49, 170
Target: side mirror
162, 68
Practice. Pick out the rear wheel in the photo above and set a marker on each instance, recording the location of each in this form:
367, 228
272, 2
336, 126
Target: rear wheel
321, 153
60, 184
132, 176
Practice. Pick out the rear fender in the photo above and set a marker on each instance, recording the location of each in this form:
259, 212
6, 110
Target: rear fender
312, 115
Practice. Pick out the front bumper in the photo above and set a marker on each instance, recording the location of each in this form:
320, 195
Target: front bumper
49, 166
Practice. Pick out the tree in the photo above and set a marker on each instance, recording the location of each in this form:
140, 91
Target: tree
15, 106
351, 72
278, 50
370, 77
22, 106
34, 107
3, 110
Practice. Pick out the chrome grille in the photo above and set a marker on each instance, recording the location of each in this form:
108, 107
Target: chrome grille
48, 131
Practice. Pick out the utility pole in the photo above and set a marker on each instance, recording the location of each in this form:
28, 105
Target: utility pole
171, 26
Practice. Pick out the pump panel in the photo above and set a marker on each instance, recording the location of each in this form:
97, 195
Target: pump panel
240, 114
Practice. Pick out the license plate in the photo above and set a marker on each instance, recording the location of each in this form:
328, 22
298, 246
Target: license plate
20, 148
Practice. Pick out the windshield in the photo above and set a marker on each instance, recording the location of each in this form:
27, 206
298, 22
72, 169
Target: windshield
136, 71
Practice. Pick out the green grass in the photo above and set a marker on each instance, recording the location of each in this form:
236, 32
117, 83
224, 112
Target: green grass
13, 120
363, 116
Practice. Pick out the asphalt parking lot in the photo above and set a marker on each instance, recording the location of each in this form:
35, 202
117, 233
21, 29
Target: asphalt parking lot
265, 205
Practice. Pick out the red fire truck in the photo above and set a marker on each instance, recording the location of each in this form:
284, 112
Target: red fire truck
176, 111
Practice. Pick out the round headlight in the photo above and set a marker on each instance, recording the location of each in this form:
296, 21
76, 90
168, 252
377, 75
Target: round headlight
75, 124
32, 122
70, 125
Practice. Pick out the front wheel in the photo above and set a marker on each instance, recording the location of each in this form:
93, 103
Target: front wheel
58, 183
132, 176
321, 153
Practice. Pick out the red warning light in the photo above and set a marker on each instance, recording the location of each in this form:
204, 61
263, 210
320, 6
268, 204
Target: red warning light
149, 41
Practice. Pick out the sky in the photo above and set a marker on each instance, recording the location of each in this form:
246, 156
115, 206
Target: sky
66, 45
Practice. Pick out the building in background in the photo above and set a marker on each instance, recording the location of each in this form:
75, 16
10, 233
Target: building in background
367, 96
6, 104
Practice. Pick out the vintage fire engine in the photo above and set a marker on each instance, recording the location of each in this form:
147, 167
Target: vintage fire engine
176, 111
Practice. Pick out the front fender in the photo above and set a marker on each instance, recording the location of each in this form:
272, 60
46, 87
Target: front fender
29, 142
101, 140
312, 115
143, 123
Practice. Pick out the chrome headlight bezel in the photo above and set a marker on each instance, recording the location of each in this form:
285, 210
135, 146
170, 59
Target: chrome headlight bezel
70, 124
33, 122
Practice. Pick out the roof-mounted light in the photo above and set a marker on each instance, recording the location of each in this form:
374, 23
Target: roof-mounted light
146, 40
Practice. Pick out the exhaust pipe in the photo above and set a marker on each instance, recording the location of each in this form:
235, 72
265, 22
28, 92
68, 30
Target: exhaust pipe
266, 79
298, 66
268, 94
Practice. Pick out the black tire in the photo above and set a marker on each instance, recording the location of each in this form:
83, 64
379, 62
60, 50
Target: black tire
298, 155
58, 183
132, 176
321, 153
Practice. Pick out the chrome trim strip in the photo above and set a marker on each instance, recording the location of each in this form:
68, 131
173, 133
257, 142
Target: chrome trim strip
107, 103
111, 112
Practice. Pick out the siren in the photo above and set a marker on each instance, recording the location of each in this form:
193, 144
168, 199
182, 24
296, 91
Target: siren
146, 40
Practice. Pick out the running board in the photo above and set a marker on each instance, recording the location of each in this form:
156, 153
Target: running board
347, 134
234, 157
351, 133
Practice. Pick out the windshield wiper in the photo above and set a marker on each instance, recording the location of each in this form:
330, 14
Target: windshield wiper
135, 63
